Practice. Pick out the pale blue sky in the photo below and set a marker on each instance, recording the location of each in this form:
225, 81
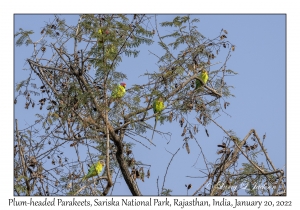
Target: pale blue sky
259, 103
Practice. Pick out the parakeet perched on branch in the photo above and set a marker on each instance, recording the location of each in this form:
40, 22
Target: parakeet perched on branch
94, 170
119, 91
158, 107
204, 77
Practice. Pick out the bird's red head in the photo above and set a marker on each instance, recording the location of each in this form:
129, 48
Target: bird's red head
123, 84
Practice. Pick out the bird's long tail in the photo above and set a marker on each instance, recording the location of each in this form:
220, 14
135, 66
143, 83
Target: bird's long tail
154, 129
84, 178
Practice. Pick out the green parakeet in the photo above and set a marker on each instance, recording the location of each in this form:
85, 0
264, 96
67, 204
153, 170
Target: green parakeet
119, 91
158, 107
204, 77
94, 170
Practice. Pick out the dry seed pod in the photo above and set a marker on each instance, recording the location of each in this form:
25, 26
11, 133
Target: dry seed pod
195, 129
191, 135
30, 171
220, 151
170, 116
226, 104
187, 148
148, 174
32, 162
146, 99
181, 123
143, 176
184, 131
254, 146
137, 174
223, 37
128, 152
69, 185
182, 120
206, 132
223, 145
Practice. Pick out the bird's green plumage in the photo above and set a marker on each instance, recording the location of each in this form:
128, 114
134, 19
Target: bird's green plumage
94, 170
119, 91
204, 77
158, 107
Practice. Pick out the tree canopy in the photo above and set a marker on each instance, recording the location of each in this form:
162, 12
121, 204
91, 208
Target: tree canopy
74, 70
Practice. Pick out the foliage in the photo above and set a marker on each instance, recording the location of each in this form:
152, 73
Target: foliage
83, 118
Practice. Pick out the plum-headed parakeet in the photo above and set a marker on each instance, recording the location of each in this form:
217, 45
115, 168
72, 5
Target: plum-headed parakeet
94, 170
119, 91
158, 107
204, 77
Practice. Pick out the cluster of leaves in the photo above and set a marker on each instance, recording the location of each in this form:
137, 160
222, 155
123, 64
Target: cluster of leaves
80, 111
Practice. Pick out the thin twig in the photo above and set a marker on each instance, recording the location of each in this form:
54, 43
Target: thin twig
202, 185
22, 160
168, 168
157, 185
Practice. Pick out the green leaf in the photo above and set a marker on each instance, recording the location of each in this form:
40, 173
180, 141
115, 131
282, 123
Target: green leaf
24, 37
